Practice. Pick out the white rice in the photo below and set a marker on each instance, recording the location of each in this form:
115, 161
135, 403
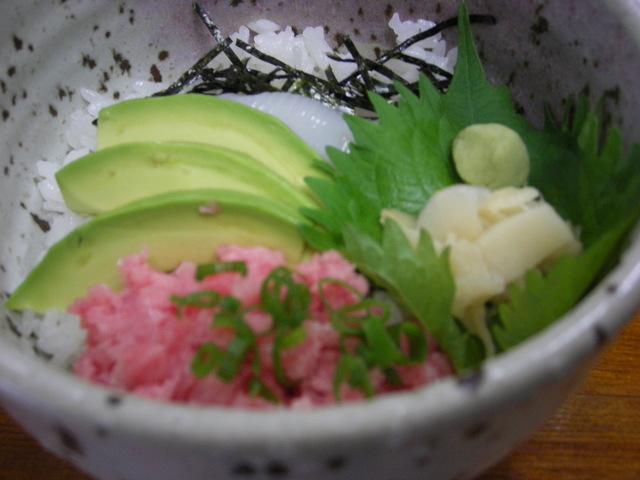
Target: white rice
59, 336
55, 336
308, 50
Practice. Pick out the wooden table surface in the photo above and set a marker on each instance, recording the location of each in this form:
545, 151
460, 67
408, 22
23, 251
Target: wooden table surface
594, 435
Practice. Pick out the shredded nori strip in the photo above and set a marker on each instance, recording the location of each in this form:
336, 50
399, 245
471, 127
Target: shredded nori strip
192, 74
351, 94
439, 27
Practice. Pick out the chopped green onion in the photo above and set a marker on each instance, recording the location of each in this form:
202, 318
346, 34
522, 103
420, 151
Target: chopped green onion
230, 304
283, 340
284, 299
202, 299
233, 357
367, 339
287, 301
212, 268
380, 343
353, 370
384, 349
417, 342
205, 359
257, 388
393, 377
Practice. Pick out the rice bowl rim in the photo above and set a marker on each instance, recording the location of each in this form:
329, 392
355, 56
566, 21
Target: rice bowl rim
513, 376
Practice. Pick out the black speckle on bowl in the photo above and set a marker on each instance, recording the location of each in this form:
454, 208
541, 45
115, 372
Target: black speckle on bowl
102, 432
600, 335
471, 380
114, 400
277, 469
42, 224
17, 43
121, 61
422, 460
336, 463
613, 94
156, 76
476, 430
69, 440
88, 62
243, 470
538, 28
519, 108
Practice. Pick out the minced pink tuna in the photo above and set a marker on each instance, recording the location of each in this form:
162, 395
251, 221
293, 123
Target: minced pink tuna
137, 342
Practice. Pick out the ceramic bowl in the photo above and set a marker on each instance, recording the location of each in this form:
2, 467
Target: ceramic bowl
452, 430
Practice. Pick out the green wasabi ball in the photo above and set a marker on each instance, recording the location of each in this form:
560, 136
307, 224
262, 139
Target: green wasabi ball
491, 155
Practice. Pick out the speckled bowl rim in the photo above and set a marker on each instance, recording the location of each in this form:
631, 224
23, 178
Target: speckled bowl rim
553, 354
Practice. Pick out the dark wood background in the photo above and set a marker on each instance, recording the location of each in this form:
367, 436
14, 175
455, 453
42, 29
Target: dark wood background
594, 435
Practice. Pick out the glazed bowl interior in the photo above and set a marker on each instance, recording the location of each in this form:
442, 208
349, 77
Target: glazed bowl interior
51, 49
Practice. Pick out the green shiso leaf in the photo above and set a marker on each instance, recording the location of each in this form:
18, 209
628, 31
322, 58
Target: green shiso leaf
419, 280
403, 158
545, 298
470, 98
344, 204
589, 180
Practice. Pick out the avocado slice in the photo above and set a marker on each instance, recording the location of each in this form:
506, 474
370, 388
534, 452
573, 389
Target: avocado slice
172, 227
194, 117
117, 175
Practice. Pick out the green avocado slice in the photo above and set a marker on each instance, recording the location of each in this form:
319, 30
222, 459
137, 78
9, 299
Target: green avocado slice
172, 227
117, 175
208, 119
